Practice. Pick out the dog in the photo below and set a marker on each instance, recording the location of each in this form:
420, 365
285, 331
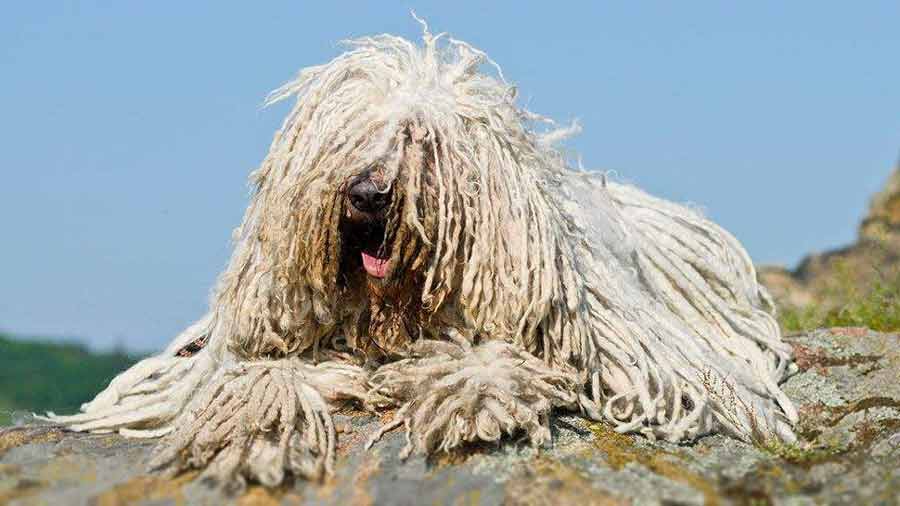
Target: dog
416, 242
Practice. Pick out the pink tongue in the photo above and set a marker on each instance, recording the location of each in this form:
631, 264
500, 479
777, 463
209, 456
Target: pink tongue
376, 267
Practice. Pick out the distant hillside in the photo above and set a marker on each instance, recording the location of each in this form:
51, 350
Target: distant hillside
858, 285
42, 376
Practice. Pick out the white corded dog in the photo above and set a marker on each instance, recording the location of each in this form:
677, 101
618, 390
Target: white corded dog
415, 241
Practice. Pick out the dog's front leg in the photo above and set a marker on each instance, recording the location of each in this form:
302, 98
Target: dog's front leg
261, 420
459, 394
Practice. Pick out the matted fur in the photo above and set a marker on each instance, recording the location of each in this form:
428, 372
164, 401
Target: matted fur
529, 285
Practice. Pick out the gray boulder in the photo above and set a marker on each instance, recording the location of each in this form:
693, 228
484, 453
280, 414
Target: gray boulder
848, 393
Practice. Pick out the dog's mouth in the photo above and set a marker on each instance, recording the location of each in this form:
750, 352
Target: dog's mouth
363, 233
374, 265
373, 251
363, 240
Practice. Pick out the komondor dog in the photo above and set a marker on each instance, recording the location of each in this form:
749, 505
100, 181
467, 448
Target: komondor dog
416, 242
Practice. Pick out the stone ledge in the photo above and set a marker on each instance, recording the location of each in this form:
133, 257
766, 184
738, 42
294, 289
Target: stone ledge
847, 391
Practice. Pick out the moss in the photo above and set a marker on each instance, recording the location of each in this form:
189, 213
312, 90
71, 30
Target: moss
620, 451
11, 438
460, 454
546, 481
260, 496
23, 488
804, 456
769, 479
145, 488
741, 495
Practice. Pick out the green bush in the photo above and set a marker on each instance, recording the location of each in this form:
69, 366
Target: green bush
43, 376
876, 306
879, 309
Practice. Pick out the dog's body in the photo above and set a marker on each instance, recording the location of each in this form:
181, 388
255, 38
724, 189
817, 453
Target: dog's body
413, 242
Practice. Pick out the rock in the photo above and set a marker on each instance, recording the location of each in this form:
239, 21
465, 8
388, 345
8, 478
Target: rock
826, 278
847, 391
884, 212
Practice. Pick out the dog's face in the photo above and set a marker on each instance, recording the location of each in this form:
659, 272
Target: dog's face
379, 248
403, 194
378, 310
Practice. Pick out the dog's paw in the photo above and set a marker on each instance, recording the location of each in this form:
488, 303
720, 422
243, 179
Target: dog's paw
260, 421
490, 390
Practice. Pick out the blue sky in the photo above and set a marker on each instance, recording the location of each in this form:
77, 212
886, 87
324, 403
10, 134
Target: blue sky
129, 128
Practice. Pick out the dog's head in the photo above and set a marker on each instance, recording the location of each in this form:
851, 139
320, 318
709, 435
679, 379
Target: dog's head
404, 188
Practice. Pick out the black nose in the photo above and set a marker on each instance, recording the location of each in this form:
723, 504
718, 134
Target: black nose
366, 197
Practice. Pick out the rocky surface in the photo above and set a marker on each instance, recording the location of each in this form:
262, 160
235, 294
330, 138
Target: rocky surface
848, 392
825, 278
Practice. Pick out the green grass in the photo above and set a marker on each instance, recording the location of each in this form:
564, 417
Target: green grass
876, 306
42, 376
878, 309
